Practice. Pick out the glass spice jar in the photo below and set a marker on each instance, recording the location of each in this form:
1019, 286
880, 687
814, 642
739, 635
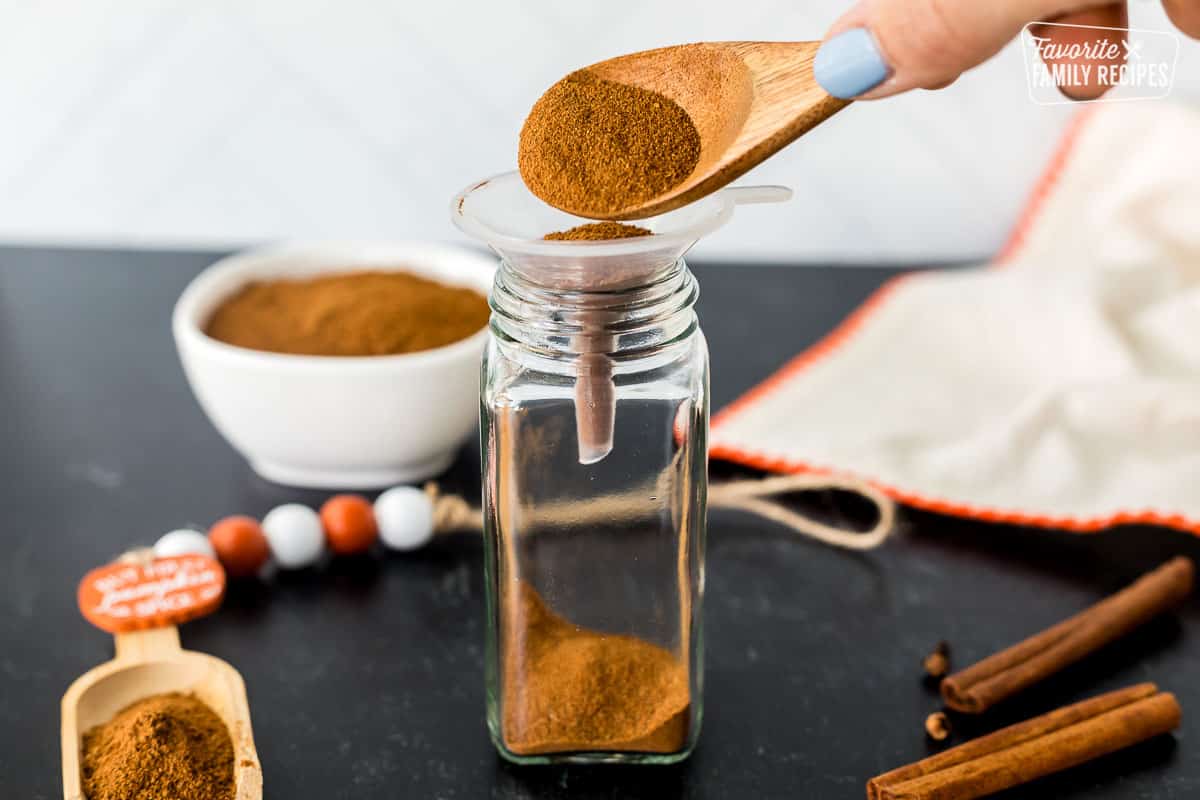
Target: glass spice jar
594, 423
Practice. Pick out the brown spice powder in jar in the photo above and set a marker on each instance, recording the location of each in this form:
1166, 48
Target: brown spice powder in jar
166, 747
598, 231
569, 689
593, 146
369, 313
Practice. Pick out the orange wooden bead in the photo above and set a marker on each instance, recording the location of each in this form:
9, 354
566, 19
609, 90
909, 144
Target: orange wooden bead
349, 523
240, 544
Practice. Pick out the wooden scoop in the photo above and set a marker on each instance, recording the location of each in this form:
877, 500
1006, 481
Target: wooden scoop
748, 100
149, 660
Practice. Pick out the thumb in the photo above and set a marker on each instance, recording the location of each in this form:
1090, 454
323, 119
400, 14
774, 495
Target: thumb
884, 47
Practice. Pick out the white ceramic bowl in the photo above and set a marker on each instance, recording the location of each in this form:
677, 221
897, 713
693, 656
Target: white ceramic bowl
332, 421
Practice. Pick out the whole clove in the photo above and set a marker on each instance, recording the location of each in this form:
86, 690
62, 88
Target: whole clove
937, 663
937, 726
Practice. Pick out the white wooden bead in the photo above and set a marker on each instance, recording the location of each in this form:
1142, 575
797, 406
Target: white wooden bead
181, 542
295, 535
405, 518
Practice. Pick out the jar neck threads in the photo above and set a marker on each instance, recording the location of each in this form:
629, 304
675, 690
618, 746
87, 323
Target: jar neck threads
624, 319
587, 332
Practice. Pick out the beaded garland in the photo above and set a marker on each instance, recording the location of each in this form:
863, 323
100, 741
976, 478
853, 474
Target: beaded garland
294, 536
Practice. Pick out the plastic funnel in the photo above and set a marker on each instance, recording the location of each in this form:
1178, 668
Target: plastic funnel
507, 217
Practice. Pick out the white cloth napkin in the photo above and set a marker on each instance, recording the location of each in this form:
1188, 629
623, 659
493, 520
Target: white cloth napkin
1058, 387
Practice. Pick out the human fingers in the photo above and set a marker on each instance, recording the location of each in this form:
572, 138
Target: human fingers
1084, 49
1185, 14
884, 47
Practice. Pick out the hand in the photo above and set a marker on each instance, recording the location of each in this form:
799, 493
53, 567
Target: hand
883, 47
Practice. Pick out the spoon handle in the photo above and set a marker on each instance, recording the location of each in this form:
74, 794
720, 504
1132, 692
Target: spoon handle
147, 645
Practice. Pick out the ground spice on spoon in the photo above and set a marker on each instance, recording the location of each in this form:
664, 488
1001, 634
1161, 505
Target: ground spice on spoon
593, 146
166, 747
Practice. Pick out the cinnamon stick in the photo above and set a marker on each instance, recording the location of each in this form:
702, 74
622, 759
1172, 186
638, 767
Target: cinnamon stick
1007, 672
1035, 748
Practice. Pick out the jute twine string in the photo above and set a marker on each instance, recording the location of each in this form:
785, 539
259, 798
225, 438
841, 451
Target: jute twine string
453, 513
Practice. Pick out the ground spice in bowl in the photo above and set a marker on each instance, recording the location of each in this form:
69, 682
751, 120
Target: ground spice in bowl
593, 146
571, 689
598, 231
166, 747
366, 313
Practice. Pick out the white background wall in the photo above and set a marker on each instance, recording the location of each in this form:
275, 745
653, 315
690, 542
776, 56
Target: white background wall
227, 122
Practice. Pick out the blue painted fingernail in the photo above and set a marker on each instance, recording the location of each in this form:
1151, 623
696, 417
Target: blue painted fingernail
849, 64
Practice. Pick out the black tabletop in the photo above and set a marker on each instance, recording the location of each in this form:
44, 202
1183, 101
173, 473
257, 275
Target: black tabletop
365, 675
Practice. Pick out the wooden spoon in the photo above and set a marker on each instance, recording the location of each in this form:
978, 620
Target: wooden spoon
149, 662
747, 100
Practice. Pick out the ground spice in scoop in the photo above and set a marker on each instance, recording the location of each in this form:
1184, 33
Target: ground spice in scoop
570, 689
597, 231
165, 747
371, 313
593, 146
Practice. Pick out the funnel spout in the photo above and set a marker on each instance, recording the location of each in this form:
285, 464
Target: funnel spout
595, 407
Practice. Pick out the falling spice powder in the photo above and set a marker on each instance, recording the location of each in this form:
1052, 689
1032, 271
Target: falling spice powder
368, 313
598, 231
571, 689
166, 747
593, 146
